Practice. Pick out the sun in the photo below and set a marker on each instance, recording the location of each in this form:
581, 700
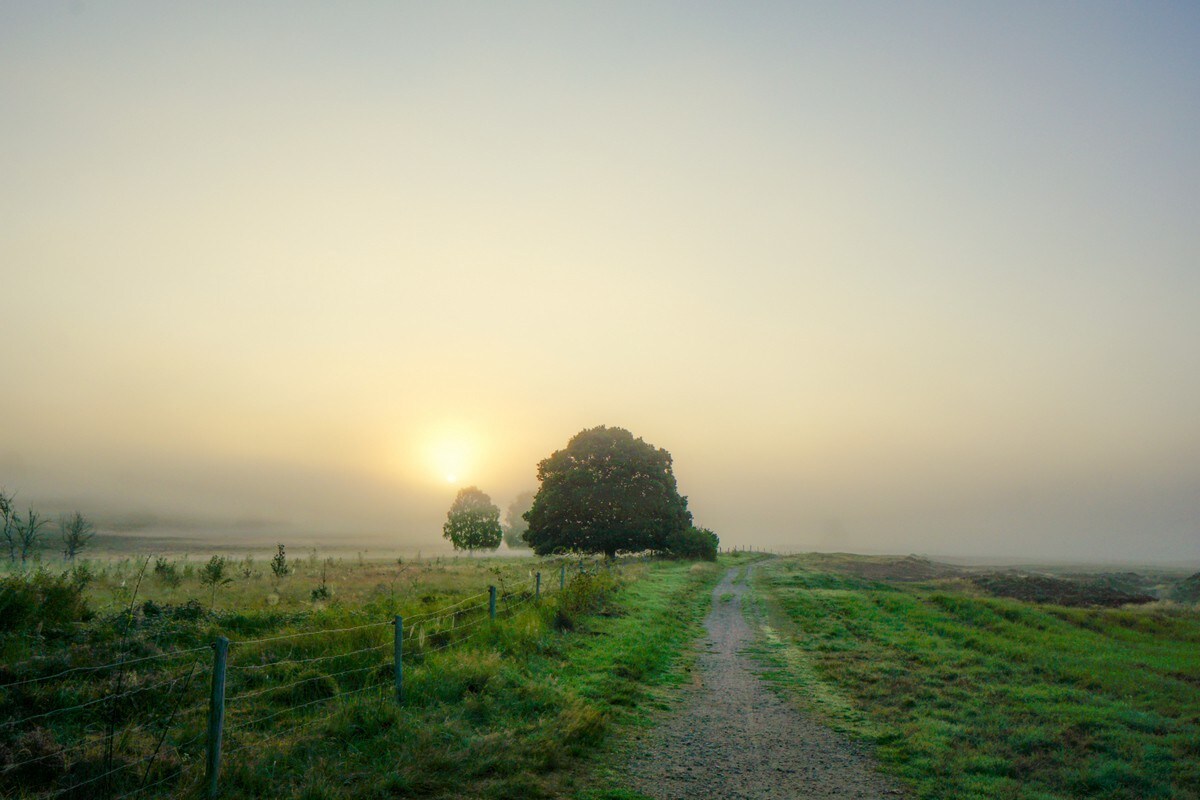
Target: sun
451, 456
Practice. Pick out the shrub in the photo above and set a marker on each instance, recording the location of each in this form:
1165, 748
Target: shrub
694, 543
29, 600
166, 572
587, 593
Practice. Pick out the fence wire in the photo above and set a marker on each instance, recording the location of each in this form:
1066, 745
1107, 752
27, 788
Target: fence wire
100, 732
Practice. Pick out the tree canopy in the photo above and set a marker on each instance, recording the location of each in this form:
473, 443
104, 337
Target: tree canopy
473, 521
606, 492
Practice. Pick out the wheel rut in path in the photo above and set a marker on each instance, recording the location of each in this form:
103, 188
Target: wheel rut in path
733, 737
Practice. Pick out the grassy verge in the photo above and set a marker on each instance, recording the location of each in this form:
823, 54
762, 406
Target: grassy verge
974, 697
518, 707
669, 621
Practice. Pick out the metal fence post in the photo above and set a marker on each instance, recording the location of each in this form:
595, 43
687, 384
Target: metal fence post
398, 653
492, 602
216, 712
562, 578
537, 586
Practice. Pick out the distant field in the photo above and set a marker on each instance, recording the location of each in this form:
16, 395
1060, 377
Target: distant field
120, 545
969, 695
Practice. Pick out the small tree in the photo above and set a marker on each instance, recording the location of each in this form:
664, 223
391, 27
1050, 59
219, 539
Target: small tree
213, 574
29, 533
76, 532
279, 564
8, 521
514, 521
473, 522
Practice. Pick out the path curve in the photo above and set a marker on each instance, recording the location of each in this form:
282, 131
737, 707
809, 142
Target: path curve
733, 737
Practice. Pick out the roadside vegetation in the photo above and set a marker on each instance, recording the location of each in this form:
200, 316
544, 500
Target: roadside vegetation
516, 707
967, 695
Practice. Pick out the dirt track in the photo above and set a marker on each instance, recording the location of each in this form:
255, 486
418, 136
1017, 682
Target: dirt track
733, 737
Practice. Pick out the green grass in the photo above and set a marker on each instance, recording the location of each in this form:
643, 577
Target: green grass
974, 697
524, 708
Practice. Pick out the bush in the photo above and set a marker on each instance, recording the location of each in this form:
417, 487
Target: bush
166, 572
587, 593
695, 544
30, 600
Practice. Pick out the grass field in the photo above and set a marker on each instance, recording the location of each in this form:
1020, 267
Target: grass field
971, 696
518, 707
963, 695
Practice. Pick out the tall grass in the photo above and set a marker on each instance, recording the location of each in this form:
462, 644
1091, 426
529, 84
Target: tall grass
491, 709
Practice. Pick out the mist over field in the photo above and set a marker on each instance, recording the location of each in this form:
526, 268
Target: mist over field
903, 279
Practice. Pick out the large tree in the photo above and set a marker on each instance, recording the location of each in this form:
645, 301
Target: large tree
606, 492
473, 521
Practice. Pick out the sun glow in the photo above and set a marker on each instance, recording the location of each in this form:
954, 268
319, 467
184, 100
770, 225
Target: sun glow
451, 455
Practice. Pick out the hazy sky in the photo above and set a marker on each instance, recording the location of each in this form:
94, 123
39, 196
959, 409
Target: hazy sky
902, 277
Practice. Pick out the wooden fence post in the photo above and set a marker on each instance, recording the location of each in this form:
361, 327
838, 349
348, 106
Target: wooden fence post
492, 602
216, 712
562, 578
537, 586
398, 654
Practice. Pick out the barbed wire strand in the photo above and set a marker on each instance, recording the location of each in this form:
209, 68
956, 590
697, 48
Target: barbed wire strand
313, 660
172, 654
244, 642
141, 789
258, 742
98, 739
257, 692
162, 734
410, 622
84, 745
509, 611
153, 631
413, 632
242, 725
141, 760
106, 698
445, 646
446, 631
447, 608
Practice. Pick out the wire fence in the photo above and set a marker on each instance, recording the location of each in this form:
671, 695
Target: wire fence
156, 722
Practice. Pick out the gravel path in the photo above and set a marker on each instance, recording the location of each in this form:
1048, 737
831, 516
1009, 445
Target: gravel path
733, 737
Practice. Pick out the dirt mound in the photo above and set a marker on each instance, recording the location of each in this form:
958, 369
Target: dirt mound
1059, 591
1187, 590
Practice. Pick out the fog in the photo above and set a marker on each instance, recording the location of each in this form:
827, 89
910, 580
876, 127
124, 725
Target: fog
881, 279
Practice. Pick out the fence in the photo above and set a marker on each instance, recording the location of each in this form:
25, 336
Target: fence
144, 721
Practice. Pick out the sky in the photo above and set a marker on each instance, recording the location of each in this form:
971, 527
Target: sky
882, 277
